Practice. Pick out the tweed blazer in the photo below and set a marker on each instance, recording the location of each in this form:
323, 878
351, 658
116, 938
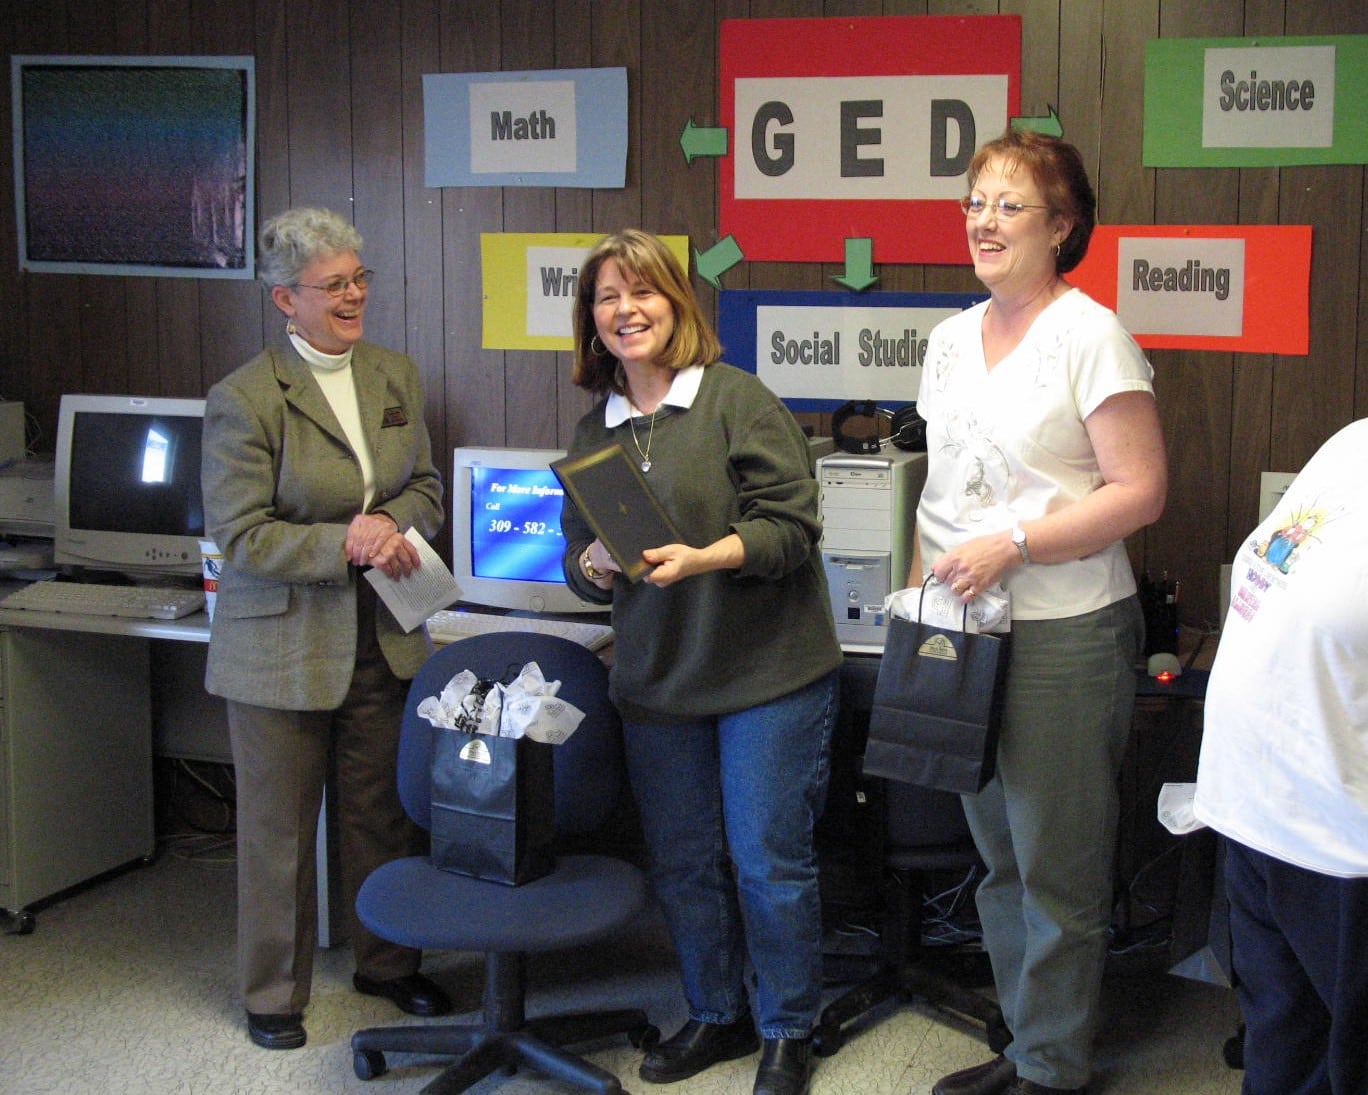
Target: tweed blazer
281, 485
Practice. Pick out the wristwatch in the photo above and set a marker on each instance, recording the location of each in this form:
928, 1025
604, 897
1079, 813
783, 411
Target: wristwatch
1019, 538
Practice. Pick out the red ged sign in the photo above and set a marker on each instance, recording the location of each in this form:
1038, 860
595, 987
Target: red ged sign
860, 128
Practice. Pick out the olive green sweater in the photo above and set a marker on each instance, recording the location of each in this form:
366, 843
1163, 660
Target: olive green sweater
735, 461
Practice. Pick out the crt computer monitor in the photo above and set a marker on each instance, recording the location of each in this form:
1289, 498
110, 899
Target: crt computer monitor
126, 485
506, 535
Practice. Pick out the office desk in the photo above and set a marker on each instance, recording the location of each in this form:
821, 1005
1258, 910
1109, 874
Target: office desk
1166, 738
1152, 886
79, 708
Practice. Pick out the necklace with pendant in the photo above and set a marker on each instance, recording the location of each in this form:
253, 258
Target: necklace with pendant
645, 453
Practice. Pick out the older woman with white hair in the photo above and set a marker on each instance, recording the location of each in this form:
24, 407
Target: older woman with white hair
316, 462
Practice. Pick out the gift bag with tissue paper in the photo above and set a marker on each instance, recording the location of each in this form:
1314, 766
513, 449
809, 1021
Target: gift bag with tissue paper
493, 785
937, 700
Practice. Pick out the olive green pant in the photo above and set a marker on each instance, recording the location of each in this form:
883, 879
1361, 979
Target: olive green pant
1046, 828
282, 761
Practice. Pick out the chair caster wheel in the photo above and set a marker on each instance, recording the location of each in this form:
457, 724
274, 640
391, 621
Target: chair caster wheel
644, 1037
20, 923
826, 1039
368, 1064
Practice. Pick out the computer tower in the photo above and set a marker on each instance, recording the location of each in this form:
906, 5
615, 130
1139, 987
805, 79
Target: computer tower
869, 506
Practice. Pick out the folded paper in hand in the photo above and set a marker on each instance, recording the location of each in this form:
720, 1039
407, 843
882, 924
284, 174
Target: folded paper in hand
529, 707
417, 596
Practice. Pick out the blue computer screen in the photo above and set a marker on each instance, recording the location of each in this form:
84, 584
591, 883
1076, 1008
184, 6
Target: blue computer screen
515, 530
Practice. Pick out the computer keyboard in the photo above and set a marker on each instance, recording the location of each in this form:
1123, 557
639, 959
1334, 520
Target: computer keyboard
90, 599
449, 625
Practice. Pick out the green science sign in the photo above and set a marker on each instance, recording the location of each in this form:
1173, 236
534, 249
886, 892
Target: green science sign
1255, 102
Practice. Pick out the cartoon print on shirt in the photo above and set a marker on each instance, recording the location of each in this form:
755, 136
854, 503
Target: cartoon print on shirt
1280, 549
988, 478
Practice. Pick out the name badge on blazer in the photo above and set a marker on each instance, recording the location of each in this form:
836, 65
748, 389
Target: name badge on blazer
394, 416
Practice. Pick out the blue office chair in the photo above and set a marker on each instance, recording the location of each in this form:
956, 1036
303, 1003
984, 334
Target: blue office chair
586, 897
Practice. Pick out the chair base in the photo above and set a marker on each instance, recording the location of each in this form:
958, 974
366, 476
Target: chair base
485, 1049
910, 982
505, 1039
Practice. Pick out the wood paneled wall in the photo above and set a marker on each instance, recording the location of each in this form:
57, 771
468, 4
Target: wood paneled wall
340, 123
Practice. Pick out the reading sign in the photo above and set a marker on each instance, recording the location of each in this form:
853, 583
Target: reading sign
1204, 287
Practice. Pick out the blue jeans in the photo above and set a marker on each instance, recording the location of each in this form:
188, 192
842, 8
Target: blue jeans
751, 783
1301, 965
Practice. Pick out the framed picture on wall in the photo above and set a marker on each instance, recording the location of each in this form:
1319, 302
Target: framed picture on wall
135, 165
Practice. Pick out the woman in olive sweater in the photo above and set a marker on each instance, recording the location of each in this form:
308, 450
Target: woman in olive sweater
726, 659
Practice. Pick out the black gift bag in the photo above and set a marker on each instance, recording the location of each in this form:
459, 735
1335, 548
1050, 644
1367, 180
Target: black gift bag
493, 806
937, 707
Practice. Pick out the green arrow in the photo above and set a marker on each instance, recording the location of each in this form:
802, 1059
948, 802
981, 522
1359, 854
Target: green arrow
701, 141
1050, 125
717, 260
859, 270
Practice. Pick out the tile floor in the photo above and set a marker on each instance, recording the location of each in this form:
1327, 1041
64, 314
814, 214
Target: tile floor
127, 988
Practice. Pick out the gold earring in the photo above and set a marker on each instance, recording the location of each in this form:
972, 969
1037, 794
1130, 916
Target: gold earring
290, 328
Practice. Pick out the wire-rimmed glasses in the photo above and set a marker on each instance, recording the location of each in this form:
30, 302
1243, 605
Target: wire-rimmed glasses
338, 285
1004, 208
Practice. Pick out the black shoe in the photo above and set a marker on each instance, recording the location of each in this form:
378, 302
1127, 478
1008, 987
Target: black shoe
1030, 1087
785, 1067
413, 993
276, 1031
698, 1046
990, 1078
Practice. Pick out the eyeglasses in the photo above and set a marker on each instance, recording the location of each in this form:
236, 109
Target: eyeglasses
974, 206
338, 286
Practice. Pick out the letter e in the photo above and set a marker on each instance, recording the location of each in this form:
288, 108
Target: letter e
853, 136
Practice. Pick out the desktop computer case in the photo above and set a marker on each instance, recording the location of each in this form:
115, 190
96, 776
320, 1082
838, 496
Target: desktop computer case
869, 507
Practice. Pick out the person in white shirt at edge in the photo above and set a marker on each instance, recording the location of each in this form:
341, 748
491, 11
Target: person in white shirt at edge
1283, 775
1044, 453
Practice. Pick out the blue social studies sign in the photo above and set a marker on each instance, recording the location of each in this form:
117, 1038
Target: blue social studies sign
552, 128
817, 350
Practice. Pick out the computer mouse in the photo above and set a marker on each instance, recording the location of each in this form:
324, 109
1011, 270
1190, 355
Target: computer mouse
1164, 666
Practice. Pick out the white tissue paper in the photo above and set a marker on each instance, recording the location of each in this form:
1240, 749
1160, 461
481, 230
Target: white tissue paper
1175, 808
991, 610
528, 707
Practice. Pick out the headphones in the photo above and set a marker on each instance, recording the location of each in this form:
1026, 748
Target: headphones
865, 441
907, 428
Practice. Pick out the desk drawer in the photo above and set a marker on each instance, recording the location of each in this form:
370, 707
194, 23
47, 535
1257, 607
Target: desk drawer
76, 751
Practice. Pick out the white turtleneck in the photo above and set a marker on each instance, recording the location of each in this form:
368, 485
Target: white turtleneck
334, 375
